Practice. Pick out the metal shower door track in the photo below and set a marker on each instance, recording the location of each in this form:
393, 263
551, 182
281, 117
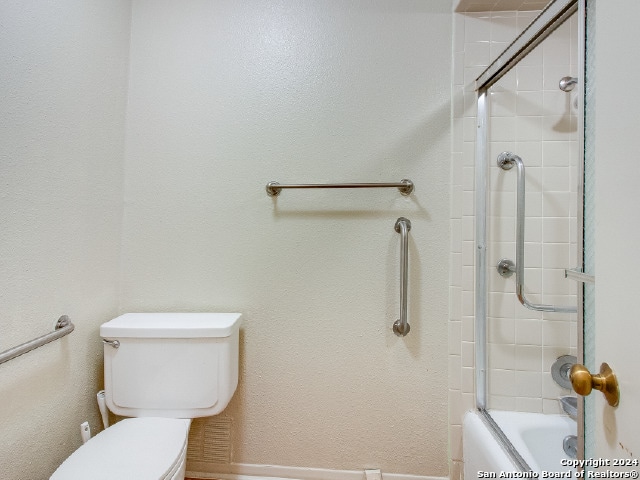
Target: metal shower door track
553, 15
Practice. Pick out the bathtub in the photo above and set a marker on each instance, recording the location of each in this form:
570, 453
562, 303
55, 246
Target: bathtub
537, 438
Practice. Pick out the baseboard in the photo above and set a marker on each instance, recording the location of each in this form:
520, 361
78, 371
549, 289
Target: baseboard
242, 471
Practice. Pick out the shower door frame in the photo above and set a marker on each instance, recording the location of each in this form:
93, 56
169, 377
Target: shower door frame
544, 24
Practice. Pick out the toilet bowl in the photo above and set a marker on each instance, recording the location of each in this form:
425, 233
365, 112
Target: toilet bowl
141, 448
162, 370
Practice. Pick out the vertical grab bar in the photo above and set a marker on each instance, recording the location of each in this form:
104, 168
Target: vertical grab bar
401, 326
506, 161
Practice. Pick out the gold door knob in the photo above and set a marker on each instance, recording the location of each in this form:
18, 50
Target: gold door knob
583, 382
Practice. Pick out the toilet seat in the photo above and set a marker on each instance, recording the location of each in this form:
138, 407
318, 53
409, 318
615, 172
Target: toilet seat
146, 448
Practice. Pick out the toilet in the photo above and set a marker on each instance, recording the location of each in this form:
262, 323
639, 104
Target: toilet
160, 371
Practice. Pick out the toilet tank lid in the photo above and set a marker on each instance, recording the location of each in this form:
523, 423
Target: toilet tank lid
171, 325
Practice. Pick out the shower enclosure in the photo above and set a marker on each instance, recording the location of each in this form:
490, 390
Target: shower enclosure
522, 216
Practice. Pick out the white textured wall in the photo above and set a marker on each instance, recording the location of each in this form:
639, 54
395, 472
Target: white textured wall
63, 68
227, 95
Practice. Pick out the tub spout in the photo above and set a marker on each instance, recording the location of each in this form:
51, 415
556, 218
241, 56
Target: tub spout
569, 405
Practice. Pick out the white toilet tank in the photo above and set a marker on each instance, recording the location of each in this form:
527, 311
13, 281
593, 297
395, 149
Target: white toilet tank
177, 365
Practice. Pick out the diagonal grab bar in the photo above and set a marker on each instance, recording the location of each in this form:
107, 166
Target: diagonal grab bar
63, 327
506, 161
401, 326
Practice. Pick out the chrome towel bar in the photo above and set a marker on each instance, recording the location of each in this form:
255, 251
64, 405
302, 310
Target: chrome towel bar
401, 326
405, 186
506, 161
63, 327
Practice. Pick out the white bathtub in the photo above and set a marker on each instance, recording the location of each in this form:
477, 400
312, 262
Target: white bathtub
537, 437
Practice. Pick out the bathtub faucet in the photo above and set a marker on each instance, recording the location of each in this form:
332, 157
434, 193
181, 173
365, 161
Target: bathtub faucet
569, 405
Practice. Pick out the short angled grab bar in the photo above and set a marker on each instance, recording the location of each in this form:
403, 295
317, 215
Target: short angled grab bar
405, 186
506, 161
63, 327
401, 326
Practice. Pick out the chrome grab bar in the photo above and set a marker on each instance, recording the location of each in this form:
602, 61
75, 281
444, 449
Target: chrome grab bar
506, 161
401, 326
405, 186
63, 327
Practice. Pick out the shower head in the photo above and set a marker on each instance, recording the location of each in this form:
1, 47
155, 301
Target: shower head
567, 83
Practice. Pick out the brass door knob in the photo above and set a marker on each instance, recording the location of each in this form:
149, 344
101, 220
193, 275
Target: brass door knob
583, 382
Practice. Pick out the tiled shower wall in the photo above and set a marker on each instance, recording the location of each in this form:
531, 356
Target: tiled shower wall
531, 117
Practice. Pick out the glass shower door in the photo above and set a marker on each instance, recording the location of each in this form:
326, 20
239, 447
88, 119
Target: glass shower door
534, 120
